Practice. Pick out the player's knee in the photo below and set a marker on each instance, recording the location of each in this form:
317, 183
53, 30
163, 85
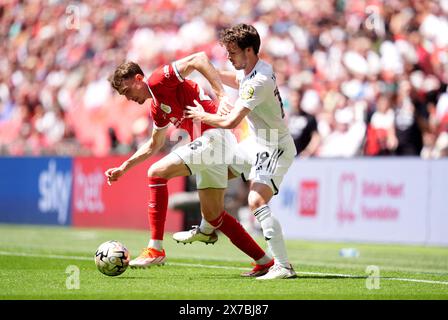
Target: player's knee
157, 171
255, 201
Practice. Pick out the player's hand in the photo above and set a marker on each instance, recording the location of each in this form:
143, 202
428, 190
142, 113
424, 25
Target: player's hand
113, 174
195, 113
224, 106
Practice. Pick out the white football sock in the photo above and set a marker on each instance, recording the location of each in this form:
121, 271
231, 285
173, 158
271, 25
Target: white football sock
206, 227
156, 244
272, 232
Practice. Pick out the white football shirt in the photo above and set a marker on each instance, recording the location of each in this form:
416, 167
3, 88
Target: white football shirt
258, 92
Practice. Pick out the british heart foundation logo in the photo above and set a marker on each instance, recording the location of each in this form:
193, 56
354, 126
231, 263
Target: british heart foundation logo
346, 197
308, 198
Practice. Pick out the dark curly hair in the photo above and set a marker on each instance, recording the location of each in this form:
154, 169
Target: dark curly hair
243, 35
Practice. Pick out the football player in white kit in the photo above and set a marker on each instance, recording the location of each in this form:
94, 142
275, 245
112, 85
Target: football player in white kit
265, 156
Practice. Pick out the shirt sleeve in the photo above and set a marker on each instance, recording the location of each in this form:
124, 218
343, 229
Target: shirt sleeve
252, 93
167, 76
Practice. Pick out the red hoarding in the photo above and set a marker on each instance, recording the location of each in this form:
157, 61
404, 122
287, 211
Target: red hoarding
308, 198
121, 205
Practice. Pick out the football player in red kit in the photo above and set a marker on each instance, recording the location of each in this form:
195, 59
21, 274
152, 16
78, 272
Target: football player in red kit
207, 156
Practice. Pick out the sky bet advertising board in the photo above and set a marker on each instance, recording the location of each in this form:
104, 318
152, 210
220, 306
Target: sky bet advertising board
67, 191
36, 190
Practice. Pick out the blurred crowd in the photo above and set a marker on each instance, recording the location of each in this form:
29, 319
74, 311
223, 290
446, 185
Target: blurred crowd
357, 77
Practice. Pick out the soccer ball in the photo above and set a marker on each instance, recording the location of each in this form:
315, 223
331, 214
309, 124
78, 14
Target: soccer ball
112, 258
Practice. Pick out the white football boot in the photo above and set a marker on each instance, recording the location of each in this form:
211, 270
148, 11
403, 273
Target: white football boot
279, 272
195, 234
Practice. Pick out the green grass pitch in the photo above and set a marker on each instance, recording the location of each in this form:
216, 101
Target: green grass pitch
35, 263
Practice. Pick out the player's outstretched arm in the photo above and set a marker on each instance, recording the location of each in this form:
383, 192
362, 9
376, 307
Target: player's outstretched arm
200, 62
151, 147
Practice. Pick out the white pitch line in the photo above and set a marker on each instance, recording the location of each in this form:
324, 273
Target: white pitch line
313, 263
382, 267
382, 278
52, 256
205, 266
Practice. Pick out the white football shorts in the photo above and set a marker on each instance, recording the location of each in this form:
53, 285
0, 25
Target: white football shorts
263, 163
208, 157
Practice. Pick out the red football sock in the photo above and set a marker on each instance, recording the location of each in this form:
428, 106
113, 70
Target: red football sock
157, 206
238, 235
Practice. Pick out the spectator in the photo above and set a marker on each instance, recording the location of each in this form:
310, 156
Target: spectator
347, 135
410, 122
303, 128
381, 138
55, 57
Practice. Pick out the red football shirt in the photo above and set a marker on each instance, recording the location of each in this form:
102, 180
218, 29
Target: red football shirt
171, 95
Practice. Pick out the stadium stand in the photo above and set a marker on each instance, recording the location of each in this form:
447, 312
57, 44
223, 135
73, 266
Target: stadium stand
372, 74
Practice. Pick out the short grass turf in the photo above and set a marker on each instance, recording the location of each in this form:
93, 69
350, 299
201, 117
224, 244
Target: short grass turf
35, 260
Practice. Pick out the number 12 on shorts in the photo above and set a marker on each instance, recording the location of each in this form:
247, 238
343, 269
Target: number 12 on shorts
262, 160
